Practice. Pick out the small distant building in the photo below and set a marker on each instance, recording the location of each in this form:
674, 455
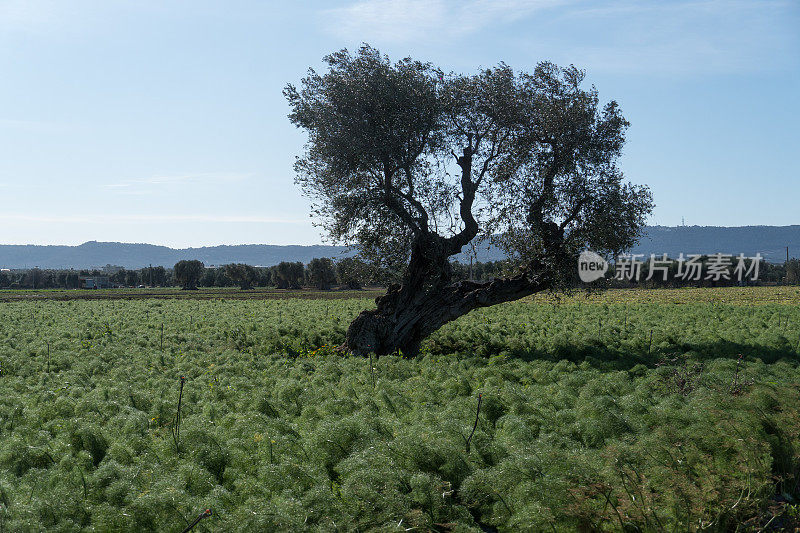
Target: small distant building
95, 282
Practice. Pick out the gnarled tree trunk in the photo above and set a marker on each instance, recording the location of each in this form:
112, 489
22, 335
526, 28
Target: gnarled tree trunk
428, 299
408, 313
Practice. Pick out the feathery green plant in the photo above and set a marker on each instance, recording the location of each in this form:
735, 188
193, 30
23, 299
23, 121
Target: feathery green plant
575, 430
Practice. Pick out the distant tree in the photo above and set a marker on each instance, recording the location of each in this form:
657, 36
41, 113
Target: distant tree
477, 271
157, 276
5, 281
321, 273
49, 281
264, 277
209, 278
353, 272
160, 276
460, 271
274, 278
72, 280
411, 166
132, 278
793, 271
244, 275
117, 275
188, 272
289, 275
34, 279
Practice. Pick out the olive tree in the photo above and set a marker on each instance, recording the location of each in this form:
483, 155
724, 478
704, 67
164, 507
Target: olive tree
353, 272
321, 273
289, 275
244, 275
411, 165
188, 272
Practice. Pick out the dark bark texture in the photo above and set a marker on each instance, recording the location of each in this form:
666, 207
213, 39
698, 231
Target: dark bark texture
403, 319
427, 299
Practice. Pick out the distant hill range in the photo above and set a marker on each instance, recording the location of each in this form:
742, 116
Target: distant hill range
769, 241
133, 256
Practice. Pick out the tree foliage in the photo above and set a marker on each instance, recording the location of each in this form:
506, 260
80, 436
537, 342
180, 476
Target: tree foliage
244, 275
321, 273
289, 275
354, 272
410, 165
188, 272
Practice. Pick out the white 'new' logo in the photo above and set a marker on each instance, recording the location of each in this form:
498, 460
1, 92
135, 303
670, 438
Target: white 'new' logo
591, 266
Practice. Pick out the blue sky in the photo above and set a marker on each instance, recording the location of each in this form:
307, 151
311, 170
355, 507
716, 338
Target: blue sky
163, 121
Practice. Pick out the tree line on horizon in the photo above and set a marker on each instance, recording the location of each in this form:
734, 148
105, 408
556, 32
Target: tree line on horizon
320, 273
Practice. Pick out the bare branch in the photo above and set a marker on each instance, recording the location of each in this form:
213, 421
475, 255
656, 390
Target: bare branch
574, 213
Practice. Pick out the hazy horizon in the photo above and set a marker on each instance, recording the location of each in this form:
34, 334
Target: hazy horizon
324, 243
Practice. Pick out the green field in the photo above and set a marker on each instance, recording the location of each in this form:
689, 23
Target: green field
657, 410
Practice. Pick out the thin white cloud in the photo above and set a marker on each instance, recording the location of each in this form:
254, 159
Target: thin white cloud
426, 20
688, 37
133, 218
680, 37
150, 184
